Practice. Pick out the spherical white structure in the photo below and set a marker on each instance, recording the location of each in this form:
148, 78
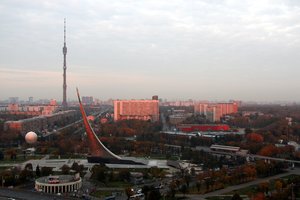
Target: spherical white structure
31, 137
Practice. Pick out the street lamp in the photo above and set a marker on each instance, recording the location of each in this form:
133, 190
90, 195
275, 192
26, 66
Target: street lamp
3, 181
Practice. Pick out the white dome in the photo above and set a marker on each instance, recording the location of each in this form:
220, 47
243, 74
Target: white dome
31, 137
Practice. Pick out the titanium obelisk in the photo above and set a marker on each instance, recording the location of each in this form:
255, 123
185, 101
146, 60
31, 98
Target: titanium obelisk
64, 102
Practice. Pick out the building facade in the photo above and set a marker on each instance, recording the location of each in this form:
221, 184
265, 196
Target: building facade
39, 123
136, 109
214, 111
30, 110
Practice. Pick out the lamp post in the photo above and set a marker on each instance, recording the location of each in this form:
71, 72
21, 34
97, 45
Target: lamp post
2, 181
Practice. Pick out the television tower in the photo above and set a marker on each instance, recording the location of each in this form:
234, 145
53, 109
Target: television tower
64, 103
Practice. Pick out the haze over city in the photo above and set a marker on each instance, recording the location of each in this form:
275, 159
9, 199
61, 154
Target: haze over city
214, 50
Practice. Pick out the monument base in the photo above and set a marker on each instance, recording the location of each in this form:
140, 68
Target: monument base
95, 159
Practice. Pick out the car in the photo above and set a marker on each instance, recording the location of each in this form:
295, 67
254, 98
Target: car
137, 197
139, 191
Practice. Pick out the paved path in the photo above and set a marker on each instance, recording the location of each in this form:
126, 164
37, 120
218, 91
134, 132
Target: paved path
237, 187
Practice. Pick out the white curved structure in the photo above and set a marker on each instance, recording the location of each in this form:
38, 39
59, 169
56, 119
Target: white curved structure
58, 184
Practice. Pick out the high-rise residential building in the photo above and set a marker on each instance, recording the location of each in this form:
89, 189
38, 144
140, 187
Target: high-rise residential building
136, 109
13, 99
214, 111
30, 99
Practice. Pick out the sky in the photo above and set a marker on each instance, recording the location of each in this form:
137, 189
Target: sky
132, 49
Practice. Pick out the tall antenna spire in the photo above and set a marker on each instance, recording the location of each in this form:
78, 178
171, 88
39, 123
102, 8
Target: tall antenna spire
64, 103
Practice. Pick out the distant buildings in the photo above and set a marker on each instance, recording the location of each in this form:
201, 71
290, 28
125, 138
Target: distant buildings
214, 111
178, 116
32, 110
136, 109
177, 103
87, 100
13, 99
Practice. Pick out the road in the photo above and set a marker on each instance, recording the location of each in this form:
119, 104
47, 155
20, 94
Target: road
208, 150
73, 123
6, 193
164, 122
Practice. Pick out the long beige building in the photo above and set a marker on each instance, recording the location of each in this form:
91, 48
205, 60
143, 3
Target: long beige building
40, 123
136, 109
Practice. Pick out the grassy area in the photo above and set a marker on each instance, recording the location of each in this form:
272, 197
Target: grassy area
20, 158
219, 198
254, 188
101, 194
118, 184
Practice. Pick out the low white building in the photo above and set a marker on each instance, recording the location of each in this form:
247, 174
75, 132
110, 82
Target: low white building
58, 184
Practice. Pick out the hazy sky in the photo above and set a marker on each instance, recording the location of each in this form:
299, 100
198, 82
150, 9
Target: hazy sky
177, 49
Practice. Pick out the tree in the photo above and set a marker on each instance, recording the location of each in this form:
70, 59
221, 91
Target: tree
268, 150
236, 196
129, 192
65, 169
1, 155
25, 174
46, 171
248, 130
259, 196
9, 177
193, 171
184, 189
146, 190
187, 179
154, 194
98, 173
278, 185
75, 166
29, 167
249, 171
208, 182
254, 137
264, 186
173, 188
124, 175
37, 171
28, 170
198, 185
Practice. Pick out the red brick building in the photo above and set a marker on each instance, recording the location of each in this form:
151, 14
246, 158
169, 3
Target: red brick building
203, 127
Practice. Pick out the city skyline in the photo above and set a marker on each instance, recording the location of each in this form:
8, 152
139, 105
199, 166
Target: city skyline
202, 50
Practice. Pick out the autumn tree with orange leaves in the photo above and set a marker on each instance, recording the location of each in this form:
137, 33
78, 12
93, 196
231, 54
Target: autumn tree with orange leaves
268, 150
255, 137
